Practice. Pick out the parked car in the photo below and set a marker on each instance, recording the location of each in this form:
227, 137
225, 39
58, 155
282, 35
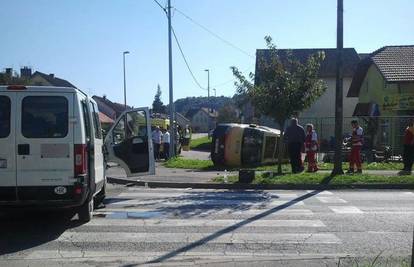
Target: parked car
52, 149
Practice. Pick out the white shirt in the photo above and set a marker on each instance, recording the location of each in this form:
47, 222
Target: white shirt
166, 137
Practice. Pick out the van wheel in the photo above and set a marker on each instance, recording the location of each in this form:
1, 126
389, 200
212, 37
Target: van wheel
99, 198
85, 211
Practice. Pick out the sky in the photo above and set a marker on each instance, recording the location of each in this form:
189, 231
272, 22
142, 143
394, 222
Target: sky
82, 41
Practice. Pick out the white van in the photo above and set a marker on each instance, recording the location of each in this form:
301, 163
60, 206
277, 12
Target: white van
52, 152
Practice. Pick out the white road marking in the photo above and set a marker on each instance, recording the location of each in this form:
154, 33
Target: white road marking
323, 193
204, 223
201, 202
331, 200
346, 210
247, 212
233, 238
220, 195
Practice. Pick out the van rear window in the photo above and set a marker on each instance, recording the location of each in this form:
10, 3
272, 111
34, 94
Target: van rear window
44, 117
4, 116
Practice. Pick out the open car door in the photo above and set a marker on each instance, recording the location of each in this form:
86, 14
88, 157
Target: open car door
129, 143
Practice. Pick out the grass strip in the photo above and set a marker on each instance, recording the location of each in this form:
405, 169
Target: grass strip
319, 178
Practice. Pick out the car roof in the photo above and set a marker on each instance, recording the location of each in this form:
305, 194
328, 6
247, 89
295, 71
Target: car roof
47, 89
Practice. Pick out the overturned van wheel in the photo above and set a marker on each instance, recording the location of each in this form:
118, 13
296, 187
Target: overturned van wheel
85, 211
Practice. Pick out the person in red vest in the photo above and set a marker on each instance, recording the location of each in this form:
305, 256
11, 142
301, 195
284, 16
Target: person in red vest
357, 140
408, 153
311, 147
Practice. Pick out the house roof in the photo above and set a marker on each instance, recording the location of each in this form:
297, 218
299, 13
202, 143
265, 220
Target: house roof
104, 108
193, 111
395, 63
105, 119
118, 108
328, 65
53, 80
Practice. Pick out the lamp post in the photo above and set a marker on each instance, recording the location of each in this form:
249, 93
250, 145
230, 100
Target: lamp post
215, 92
208, 87
123, 57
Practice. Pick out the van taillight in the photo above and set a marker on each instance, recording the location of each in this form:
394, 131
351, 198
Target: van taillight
16, 87
81, 158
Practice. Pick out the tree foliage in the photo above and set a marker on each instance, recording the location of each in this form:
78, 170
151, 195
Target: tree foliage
228, 114
157, 105
284, 86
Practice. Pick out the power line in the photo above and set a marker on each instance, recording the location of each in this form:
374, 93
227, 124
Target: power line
185, 60
158, 3
212, 33
231, 80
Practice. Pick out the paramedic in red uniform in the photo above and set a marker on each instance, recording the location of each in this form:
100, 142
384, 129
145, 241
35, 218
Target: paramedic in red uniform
311, 148
408, 153
357, 140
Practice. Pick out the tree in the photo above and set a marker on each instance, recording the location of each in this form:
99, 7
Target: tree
157, 105
283, 88
227, 114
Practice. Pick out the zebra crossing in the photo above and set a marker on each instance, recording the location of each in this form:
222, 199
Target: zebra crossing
143, 225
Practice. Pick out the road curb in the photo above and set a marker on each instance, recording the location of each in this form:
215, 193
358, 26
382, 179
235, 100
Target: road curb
152, 184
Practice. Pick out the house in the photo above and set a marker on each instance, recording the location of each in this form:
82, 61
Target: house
41, 79
384, 85
202, 119
181, 120
324, 107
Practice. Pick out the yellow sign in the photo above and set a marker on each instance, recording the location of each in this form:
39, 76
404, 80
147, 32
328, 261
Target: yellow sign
398, 102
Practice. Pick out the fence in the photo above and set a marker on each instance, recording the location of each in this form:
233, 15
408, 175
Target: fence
379, 132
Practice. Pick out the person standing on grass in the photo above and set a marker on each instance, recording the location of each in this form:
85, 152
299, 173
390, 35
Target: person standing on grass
311, 148
357, 140
408, 153
156, 140
166, 143
295, 137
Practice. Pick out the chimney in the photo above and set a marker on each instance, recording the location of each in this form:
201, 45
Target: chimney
26, 72
51, 75
9, 72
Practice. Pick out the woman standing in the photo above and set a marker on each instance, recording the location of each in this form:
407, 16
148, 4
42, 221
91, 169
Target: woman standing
311, 147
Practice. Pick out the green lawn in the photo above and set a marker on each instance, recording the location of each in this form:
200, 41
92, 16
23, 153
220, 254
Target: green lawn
186, 163
319, 178
201, 144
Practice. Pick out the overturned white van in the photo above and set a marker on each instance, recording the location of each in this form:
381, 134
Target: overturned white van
52, 152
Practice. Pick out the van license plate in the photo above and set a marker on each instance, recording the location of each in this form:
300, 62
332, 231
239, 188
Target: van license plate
3, 163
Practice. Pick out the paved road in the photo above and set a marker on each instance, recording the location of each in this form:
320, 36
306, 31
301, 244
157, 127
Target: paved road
218, 228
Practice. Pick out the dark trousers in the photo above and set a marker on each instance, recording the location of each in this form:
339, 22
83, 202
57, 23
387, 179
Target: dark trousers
166, 151
156, 150
408, 157
294, 150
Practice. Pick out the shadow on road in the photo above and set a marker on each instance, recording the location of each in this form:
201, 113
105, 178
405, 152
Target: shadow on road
24, 230
228, 229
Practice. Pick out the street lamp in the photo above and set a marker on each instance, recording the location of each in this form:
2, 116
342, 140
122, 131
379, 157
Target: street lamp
215, 92
123, 57
208, 87
208, 82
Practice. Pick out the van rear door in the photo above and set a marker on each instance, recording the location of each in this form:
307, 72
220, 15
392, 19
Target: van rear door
129, 142
7, 146
44, 142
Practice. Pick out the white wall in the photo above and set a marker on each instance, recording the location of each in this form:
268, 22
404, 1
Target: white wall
325, 105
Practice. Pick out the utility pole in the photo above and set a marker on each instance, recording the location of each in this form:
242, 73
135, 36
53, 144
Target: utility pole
208, 86
339, 90
170, 72
123, 57
215, 91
